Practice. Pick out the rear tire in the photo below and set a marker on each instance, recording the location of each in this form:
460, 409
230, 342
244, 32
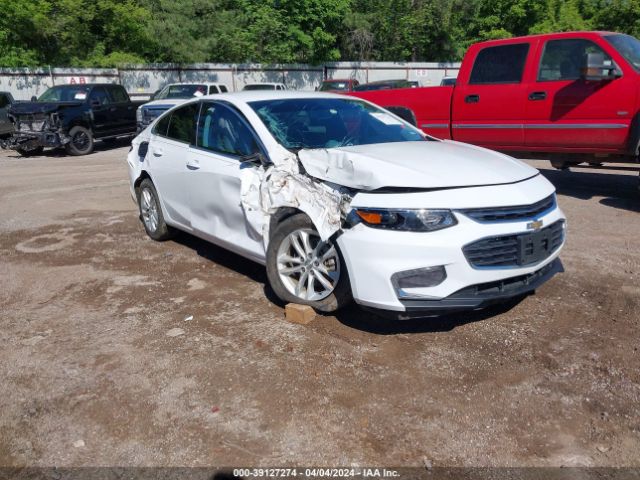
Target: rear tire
303, 269
151, 212
81, 142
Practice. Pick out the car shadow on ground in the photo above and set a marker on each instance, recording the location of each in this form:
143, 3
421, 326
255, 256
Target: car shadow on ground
618, 191
99, 146
351, 316
368, 321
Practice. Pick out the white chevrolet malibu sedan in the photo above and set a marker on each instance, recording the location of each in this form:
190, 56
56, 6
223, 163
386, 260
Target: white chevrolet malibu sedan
342, 200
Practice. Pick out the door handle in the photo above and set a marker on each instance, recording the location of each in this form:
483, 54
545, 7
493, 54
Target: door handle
193, 164
533, 96
472, 98
158, 152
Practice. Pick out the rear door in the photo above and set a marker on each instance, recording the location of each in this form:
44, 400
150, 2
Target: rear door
124, 110
566, 111
216, 164
488, 103
168, 157
104, 113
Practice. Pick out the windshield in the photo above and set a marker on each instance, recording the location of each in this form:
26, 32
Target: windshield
627, 46
260, 86
65, 93
181, 91
328, 123
336, 86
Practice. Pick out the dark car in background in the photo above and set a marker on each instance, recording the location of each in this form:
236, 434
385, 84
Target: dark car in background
73, 117
338, 85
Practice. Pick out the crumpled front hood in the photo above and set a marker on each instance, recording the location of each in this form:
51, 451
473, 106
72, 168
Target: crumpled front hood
429, 164
30, 108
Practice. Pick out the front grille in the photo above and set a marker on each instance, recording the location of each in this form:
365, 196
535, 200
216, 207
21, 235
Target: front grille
32, 123
504, 214
516, 250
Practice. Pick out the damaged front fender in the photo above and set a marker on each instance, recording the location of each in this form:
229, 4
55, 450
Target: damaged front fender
265, 190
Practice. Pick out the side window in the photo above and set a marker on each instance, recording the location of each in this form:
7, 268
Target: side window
213, 89
162, 126
4, 100
118, 95
503, 64
222, 130
563, 59
223, 88
98, 94
182, 126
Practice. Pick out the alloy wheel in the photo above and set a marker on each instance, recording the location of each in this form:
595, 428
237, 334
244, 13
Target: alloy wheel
308, 267
149, 210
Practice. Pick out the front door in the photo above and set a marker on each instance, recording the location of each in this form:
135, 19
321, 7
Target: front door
488, 107
565, 110
216, 164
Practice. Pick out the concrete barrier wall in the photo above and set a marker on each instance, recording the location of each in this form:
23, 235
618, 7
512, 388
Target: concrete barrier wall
142, 80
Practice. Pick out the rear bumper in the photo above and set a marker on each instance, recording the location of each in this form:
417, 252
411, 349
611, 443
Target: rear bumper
477, 296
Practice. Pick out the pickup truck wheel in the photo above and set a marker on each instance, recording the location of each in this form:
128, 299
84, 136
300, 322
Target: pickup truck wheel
81, 142
151, 212
30, 152
304, 269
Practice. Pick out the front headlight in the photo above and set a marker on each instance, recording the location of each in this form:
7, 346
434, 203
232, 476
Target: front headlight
422, 220
138, 115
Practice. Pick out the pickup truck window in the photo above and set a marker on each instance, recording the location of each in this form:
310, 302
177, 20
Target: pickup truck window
627, 46
118, 94
223, 88
65, 93
182, 126
99, 94
4, 100
502, 64
563, 59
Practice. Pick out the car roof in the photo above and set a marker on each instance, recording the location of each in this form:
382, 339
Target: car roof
550, 36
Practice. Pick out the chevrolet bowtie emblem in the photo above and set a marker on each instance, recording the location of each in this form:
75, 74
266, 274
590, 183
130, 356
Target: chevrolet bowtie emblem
535, 225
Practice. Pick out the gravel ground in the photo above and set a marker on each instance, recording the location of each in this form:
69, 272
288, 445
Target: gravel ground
102, 364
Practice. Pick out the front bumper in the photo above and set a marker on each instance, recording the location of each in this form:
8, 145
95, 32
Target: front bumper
373, 256
482, 295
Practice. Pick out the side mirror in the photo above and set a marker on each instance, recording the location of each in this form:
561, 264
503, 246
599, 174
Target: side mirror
256, 158
34, 98
596, 69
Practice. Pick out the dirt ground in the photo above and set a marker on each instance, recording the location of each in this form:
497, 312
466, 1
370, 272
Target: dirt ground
94, 372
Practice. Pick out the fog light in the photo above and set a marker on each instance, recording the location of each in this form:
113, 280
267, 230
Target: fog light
418, 278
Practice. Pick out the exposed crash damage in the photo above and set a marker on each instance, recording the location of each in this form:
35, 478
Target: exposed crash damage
342, 201
265, 190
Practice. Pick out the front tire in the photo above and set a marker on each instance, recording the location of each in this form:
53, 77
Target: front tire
151, 213
304, 269
81, 142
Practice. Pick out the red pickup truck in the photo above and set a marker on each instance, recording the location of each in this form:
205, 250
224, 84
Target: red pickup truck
570, 97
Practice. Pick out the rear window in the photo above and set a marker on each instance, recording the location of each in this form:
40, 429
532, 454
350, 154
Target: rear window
502, 64
183, 124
